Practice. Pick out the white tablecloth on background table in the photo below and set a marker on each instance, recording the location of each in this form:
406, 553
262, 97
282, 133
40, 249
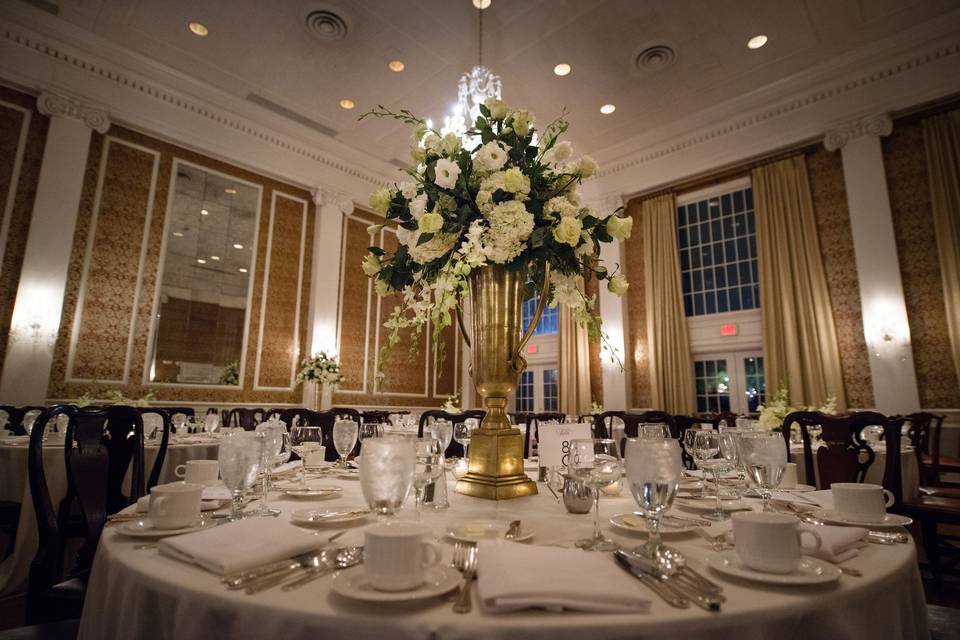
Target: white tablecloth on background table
15, 486
909, 470
140, 594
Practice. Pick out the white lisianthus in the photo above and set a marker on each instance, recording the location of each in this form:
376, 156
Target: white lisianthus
450, 144
491, 156
430, 222
568, 231
618, 284
408, 189
418, 206
559, 154
498, 108
588, 166
380, 200
371, 264
447, 172
522, 121
619, 228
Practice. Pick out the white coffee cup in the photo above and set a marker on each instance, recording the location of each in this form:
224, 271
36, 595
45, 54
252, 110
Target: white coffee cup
315, 457
199, 471
789, 480
861, 502
769, 542
396, 556
175, 505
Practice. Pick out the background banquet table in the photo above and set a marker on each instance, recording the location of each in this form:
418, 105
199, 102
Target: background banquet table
140, 594
15, 486
909, 470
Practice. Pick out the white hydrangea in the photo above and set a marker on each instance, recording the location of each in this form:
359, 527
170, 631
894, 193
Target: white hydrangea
560, 207
429, 251
510, 224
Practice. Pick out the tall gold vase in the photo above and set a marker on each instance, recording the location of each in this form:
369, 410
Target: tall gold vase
496, 448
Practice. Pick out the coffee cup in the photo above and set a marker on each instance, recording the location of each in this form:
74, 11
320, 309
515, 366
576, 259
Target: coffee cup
396, 555
315, 457
205, 472
861, 502
175, 505
769, 542
789, 479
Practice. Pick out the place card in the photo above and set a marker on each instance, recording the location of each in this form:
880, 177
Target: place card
553, 441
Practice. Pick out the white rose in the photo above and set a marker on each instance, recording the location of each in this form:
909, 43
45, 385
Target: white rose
447, 173
559, 153
371, 265
380, 200
418, 206
568, 231
498, 109
588, 166
431, 223
450, 144
618, 284
491, 156
619, 228
522, 121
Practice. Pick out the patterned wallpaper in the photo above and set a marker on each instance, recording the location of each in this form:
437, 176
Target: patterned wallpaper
11, 124
122, 206
635, 358
905, 162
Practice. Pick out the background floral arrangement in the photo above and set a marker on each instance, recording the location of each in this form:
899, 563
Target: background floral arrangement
320, 368
504, 198
773, 413
231, 373
452, 404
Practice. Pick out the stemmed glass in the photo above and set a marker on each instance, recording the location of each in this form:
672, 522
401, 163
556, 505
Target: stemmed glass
211, 422
653, 472
369, 430
429, 466
386, 473
764, 455
655, 431
708, 445
345, 434
462, 432
595, 462
240, 457
178, 420
442, 430
303, 439
272, 433
701, 453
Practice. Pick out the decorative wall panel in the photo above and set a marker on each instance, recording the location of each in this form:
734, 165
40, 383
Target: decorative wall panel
908, 184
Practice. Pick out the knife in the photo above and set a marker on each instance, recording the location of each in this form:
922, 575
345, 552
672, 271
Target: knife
652, 583
680, 585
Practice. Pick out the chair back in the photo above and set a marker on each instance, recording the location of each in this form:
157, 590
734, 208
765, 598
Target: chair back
322, 419
246, 418
923, 430
164, 429
683, 423
455, 449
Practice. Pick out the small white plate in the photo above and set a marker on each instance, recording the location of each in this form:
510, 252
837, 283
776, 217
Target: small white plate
477, 530
143, 528
356, 585
635, 524
889, 520
710, 504
323, 517
811, 570
312, 493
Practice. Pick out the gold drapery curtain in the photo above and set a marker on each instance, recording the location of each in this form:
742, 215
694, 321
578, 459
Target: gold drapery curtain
941, 137
799, 336
668, 347
574, 365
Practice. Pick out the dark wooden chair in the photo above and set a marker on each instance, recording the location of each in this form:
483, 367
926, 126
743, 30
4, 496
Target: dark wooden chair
380, 416
246, 418
923, 431
165, 428
455, 450
533, 427
728, 418
100, 446
683, 423
322, 419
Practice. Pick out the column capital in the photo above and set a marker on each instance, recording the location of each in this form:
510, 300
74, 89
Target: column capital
326, 196
54, 104
605, 204
878, 125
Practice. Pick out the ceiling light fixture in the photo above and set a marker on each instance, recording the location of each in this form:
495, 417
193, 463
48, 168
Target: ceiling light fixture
238, 246
481, 4
199, 29
396, 66
562, 69
230, 190
214, 257
177, 234
474, 87
346, 103
242, 270
204, 212
201, 261
757, 41
607, 109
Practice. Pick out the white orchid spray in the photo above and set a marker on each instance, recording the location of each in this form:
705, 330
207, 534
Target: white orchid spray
507, 200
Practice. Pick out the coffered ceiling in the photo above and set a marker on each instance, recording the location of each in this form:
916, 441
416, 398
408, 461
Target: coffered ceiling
264, 51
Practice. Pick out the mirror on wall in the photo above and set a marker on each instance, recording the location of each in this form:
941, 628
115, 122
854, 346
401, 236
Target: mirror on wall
201, 313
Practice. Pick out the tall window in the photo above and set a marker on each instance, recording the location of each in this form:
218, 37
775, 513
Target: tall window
718, 254
539, 386
525, 393
549, 320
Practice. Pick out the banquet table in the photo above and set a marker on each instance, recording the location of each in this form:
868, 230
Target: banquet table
909, 470
15, 486
137, 593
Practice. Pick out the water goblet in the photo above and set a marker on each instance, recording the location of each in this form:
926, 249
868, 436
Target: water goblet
442, 430
429, 467
764, 455
272, 434
369, 430
654, 430
239, 459
653, 470
345, 434
462, 432
304, 438
386, 473
595, 462
707, 446
211, 422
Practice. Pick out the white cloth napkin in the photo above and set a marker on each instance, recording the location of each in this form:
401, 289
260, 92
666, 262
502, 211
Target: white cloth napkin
242, 545
513, 576
287, 467
838, 543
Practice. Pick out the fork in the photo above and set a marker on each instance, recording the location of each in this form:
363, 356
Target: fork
465, 561
718, 542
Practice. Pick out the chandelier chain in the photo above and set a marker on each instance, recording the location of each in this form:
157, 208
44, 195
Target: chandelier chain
480, 39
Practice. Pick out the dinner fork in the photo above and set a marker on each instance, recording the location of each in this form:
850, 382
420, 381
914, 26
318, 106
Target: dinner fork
465, 561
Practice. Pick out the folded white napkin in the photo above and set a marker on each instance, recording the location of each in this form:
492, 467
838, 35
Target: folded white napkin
216, 492
838, 543
241, 545
287, 467
698, 473
513, 576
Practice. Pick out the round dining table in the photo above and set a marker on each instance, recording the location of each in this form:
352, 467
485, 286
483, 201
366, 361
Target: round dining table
15, 486
136, 592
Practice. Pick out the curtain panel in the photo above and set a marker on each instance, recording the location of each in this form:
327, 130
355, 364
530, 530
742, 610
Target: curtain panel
574, 365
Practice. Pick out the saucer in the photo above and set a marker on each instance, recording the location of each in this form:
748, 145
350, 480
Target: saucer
889, 520
635, 524
710, 504
810, 571
335, 515
312, 493
477, 530
143, 528
800, 488
356, 585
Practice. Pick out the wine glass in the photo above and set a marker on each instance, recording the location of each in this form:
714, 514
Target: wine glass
369, 430
239, 457
707, 452
303, 439
654, 430
442, 430
653, 472
345, 433
730, 450
272, 433
429, 466
386, 473
595, 462
462, 432
765, 457
211, 422
178, 420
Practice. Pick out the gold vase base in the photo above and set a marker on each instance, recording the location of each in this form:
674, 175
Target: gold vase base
496, 466
496, 488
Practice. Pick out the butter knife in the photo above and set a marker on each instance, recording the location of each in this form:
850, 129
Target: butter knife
654, 584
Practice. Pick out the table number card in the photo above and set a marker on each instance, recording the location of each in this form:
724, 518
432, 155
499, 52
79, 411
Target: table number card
553, 441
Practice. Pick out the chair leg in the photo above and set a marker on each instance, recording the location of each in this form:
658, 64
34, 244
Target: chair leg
931, 546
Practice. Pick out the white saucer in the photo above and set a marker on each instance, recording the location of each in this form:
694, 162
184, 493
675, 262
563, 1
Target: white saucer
355, 585
323, 517
800, 488
477, 530
635, 524
710, 504
313, 493
889, 520
143, 528
811, 570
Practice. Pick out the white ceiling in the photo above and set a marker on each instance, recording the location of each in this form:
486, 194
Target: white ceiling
261, 47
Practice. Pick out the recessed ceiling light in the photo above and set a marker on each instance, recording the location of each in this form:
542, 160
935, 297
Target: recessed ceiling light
238, 246
562, 69
757, 41
607, 109
230, 190
204, 212
242, 270
201, 261
346, 103
214, 257
396, 66
177, 234
481, 4
199, 29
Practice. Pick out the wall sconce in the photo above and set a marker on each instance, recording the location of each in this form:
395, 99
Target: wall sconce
887, 331
33, 331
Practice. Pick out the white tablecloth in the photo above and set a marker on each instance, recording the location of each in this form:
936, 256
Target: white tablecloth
15, 486
139, 594
909, 471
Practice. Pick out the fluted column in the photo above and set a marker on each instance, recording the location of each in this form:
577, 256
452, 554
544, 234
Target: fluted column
43, 277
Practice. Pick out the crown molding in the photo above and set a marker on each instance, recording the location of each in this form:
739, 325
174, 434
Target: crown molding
53, 104
879, 125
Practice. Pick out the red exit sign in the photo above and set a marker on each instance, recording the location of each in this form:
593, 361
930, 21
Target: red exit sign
728, 329
531, 348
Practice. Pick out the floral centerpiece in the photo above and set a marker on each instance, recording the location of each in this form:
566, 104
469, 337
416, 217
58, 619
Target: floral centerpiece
324, 371
499, 196
773, 413
231, 373
452, 404
596, 408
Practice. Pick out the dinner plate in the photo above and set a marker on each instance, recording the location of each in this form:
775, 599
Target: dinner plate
810, 571
636, 524
889, 520
322, 517
312, 493
477, 530
710, 504
143, 528
356, 585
